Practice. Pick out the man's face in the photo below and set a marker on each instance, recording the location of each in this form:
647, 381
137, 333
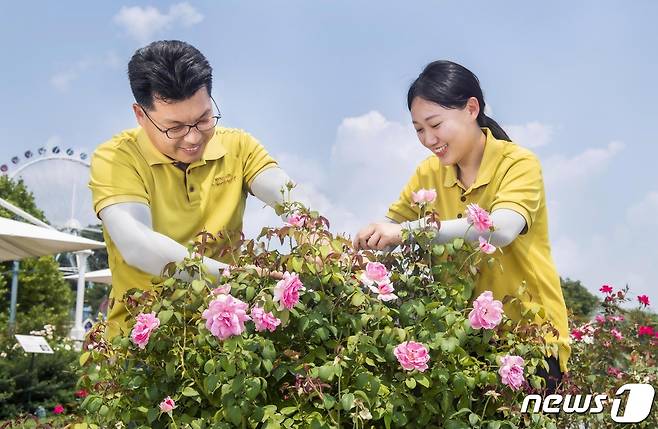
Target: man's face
189, 148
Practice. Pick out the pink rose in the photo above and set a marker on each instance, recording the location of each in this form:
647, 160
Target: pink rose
487, 312
606, 289
478, 217
296, 220
600, 319
645, 330
375, 272
511, 371
643, 299
225, 316
264, 321
616, 334
486, 247
226, 272
577, 334
221, 289
144, 325
615, 372
412, 355
616, 318
384, 291
167, 405
59, 409
423, 196
286, 291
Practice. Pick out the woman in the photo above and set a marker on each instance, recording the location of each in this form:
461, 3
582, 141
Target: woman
474, 161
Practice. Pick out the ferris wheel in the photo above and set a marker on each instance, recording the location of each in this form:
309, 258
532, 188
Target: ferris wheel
58, 178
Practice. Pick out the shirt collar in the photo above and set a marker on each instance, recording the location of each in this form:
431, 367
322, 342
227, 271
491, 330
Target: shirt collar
214, 150
492, 152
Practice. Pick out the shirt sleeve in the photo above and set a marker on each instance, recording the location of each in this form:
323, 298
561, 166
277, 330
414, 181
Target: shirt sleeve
521, 190
403, 209
254, 159
114, 178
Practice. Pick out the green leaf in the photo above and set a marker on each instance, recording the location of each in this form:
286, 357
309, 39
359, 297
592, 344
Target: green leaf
164, 316
188, 391
410, 382
423, 381
328, 402
458, 243
152, 415
267, 364
170, 369
198, 286
84, 358
178, 294
358, 299
209, 366
250, 293
288, 410
473, 419
347, 401
326, 372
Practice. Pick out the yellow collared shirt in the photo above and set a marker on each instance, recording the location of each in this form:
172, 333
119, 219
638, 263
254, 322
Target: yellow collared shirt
509, 177
209, 196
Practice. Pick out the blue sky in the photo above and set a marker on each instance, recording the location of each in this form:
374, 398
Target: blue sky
322, 84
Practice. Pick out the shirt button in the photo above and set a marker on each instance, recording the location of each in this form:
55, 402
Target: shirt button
459, 216
463, 199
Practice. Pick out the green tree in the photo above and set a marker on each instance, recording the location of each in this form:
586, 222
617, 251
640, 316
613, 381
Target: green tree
581, 304
44, 297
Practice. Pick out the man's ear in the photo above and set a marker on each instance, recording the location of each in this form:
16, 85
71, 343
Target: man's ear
139, 114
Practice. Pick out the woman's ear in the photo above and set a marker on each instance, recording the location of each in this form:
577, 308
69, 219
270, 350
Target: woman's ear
473, 107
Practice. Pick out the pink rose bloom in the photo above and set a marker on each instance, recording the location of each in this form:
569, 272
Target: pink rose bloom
384, 291
423, 196
615, 372
286, 291
486, 247
478, 217
615, 333
577, 334
225, 316
144, 325
606, 289
511, 371
600, 319
226, 272
644, 330
643, 299
412, 355
296, 220
375, 272
617, 318
167, 405
264, 321
221, 289
487, 312
59, 409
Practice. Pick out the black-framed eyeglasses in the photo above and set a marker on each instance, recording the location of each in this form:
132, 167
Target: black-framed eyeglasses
180, 131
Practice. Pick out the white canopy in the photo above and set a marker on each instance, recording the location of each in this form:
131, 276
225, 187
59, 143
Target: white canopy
20, 240
100, 276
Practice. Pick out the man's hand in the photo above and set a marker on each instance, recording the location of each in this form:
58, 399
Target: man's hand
379, 236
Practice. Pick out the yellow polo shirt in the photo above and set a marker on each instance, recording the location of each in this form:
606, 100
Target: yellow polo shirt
509, 177
209, 196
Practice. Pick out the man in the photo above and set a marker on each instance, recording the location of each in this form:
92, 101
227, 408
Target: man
157, 186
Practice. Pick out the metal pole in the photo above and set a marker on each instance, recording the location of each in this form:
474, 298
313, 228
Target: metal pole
78, 331
29, 391
14, 296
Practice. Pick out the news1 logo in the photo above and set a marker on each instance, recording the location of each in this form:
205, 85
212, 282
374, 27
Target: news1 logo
638, 403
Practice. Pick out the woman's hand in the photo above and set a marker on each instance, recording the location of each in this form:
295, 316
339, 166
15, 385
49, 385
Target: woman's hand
379, 236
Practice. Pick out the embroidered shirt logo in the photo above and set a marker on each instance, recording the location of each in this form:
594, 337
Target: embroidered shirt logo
221, 180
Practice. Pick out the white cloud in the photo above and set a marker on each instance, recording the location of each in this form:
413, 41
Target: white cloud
561, 170
531, 135
63, 80
643, 213
142, 23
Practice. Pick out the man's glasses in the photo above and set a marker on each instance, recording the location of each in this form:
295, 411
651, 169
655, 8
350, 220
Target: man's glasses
180, 131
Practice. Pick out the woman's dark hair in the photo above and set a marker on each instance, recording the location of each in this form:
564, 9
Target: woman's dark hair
450, 85
169, 70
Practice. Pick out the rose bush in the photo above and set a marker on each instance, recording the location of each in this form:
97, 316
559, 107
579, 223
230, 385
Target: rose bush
344, 339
